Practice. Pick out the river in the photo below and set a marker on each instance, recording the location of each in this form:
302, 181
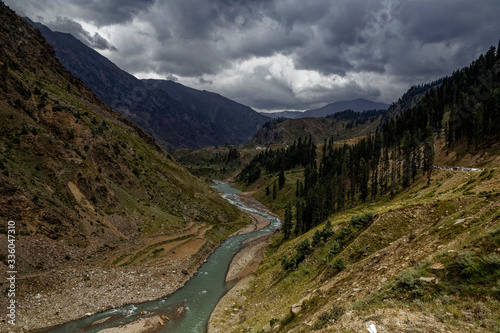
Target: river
189, 307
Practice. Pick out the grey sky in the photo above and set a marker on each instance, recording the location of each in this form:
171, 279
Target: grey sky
281, 54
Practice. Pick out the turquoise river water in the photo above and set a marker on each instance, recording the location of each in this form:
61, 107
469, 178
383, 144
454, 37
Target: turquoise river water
196, 300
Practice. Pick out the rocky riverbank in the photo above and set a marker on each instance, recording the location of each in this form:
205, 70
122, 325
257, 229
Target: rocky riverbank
56, 297
66, 294
243, 265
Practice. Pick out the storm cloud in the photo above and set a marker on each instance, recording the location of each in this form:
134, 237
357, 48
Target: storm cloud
281, 54
95, 41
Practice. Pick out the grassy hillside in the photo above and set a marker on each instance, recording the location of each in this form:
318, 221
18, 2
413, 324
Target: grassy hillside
427, 260
77, 178
340, 127
395, 230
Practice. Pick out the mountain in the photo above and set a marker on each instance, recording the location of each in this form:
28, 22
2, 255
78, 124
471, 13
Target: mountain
85, 186
175, 115
343, 125
409, 99
359, 104
398, 231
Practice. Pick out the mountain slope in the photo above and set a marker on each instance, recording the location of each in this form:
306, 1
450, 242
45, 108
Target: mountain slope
359, 104
83, 183
177, 116
340, 126
409, 99
416, 248
421, 265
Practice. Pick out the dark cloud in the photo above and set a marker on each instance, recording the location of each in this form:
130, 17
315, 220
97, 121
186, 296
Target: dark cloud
95, 41
107, 12
203, 81
336, 49
172, 78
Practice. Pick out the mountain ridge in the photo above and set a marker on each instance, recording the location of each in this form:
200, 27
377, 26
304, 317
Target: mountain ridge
83, 184
359, 104
194, 119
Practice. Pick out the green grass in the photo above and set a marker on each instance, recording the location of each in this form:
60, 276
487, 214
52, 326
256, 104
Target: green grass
420, 217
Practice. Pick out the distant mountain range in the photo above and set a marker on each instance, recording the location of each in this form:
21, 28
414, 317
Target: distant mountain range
359, 104
175, 115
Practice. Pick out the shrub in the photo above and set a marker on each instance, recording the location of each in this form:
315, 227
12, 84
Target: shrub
316, 238
329, 316
287, 263
303, 250
334, 248
362, 220
408, 278
327, 231
496, 290
339, 264
492, 260
466, 264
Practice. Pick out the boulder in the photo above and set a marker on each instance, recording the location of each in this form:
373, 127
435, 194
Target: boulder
295, 309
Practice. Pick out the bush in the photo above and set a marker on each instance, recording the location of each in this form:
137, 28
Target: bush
496, 290
334, 248
288, 263
408, 278
316, 238
466, 264
303, 250
339, 264
362, 220
492, 260
329, 316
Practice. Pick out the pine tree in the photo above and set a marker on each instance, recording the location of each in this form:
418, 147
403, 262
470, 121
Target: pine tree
274, 191
281, 179
298, 219
287, 223
429, 158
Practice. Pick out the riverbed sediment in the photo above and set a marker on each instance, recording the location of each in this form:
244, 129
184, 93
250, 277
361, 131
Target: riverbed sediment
49, 300
244, 263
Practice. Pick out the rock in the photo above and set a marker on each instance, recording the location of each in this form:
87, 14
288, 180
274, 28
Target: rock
296, 308
185, 271
427, 279
88, 314
437, 266
100, 321
372, 328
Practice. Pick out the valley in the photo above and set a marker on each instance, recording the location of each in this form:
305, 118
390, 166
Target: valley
144, 205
